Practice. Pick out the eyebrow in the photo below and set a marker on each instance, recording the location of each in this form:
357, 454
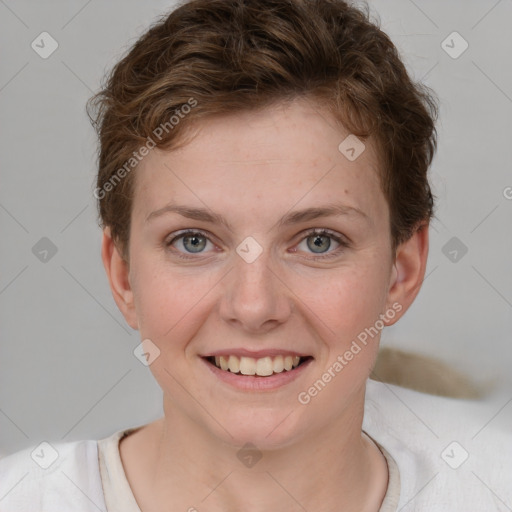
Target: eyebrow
307, 214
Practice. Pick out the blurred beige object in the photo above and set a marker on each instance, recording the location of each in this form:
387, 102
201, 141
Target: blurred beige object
422, 373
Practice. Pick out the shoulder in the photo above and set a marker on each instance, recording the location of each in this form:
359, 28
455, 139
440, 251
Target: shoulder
52, 476
450, 452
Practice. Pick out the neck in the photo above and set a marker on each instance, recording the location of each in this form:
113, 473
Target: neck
189, 469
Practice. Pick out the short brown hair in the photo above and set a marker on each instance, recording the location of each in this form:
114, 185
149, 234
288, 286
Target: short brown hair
230, 56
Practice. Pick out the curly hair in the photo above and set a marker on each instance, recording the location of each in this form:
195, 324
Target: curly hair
211, 57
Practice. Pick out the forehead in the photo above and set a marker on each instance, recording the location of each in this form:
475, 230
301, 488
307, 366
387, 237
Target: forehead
284, 155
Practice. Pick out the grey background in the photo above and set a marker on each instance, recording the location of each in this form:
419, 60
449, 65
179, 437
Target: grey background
67, 369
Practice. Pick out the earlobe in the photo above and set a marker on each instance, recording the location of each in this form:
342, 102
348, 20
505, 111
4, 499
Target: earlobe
117, 271
408, 271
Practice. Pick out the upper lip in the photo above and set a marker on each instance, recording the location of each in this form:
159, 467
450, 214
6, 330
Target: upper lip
256, 354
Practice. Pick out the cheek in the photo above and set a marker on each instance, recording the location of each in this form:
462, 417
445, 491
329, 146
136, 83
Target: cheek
169, 303
344, 300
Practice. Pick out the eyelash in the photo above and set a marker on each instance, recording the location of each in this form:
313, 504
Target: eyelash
318, 232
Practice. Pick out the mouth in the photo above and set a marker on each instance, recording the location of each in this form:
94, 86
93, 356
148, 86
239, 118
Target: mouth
261, 367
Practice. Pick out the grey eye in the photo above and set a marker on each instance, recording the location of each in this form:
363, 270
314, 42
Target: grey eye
194, 242
319, 242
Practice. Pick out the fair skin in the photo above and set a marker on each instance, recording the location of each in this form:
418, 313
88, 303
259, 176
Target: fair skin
254, 168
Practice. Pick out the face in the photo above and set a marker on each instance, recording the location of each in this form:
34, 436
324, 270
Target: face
263, 277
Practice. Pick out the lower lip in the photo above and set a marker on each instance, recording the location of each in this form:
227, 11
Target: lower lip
254, 383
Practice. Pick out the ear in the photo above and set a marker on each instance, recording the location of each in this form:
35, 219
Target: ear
408, 272
118, 276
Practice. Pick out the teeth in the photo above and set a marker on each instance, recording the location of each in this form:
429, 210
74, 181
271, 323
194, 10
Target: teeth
278, 364
247, 366
263, 367
234, 364
223, 363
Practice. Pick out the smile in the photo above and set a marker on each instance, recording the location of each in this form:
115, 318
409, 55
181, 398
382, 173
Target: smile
261, 367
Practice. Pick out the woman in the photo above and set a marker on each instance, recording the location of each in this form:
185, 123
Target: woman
263, 193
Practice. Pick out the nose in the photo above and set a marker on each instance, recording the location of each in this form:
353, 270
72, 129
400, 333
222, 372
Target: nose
254, 295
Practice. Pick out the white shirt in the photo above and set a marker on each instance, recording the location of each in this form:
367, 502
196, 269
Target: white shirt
443, 455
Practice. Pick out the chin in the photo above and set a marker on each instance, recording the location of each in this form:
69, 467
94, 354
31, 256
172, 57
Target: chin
265, 428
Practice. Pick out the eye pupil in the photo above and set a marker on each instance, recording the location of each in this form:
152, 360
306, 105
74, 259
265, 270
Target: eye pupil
195, 242
318, 244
